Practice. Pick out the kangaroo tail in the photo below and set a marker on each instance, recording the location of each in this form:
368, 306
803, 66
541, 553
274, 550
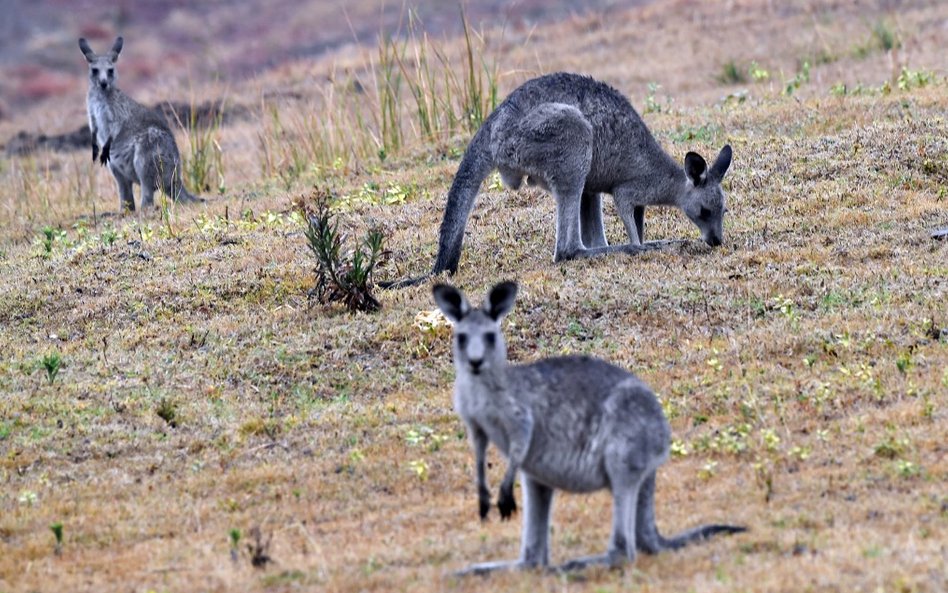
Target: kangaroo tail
475, 167
650, 541
697, 534
404, 282
185, 196
173, 187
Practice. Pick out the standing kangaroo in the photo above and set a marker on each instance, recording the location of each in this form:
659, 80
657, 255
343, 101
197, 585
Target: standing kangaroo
578, 138
572, 422
136, 141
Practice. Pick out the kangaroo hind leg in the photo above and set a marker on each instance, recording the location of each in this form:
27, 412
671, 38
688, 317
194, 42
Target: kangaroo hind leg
590, 217
638, 215
552, 145
625, 493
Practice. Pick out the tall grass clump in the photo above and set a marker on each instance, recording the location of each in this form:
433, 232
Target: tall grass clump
203, 161
447, 98
411, 91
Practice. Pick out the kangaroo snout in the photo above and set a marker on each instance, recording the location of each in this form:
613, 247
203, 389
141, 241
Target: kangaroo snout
713, 241
475, 364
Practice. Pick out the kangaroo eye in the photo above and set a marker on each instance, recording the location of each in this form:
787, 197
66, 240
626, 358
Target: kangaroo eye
491, 339
705, 214
95, 72
111, 72
462, 340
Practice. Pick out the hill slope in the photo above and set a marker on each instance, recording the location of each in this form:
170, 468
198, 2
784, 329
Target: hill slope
803, 365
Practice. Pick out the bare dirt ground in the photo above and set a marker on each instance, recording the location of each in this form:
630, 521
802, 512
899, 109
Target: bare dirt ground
803, 365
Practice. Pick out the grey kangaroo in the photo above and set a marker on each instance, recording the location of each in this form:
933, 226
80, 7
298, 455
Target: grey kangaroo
572, 422
135, 141
579, 138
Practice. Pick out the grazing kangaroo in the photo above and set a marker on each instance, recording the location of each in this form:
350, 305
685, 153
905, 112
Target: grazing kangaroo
136, 141
579, 138
572, 422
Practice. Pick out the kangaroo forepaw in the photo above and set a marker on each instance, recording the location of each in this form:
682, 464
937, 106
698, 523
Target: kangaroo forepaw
483, 501
483, 508
95, 152
506, 503
104, 158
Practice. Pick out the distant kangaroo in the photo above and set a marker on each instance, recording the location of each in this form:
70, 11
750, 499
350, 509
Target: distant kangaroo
136, 141
572, 422
577, 138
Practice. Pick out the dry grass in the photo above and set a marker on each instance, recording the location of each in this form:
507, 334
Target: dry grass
804, 365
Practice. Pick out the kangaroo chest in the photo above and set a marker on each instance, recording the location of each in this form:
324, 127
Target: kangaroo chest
102, 118
479, 409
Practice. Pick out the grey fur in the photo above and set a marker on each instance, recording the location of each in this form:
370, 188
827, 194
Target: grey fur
135, 141
579, 138
572, 423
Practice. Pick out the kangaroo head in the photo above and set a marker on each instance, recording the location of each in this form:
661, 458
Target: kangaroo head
102, 68
478, 343
704, 202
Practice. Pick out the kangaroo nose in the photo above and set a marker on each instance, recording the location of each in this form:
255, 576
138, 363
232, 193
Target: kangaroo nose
714, 241
476, 364
103, 84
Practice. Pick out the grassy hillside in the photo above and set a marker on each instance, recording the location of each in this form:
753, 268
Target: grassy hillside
167, 384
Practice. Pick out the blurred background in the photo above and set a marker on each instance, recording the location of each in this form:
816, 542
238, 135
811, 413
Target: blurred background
295, 90
226, 40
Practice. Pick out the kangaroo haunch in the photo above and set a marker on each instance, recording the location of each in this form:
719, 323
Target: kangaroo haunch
579, 138
135, 141
572, 423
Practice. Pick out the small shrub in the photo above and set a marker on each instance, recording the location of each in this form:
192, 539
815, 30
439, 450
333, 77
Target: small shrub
57, 529
702, 133
108, 237
884, 37
652, 104
881, 38
419, 467
757, 73
50, 237
913, 79
234, 535
708, 470
167, 410
906, 469
52, 362
731, 73
339, 278
802, 77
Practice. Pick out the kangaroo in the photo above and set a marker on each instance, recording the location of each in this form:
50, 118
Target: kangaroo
135, 141
572, 423
578, 138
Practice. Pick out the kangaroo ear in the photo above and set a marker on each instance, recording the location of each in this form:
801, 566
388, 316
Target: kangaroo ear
116, 48
500, 300
696, 168
451, 302
719, 168
86, 50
